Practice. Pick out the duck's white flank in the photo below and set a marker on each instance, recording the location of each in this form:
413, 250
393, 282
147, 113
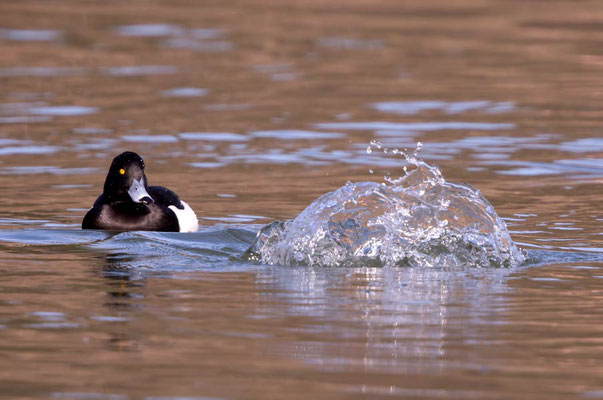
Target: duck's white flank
187, 219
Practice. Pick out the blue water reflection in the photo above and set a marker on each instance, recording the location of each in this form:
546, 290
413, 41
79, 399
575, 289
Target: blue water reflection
31, 35
140, 70
290, 134
214, 136
184, 92
415, 126
63, 110
416, 107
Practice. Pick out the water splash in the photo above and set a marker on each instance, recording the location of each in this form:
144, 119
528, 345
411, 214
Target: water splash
418, 219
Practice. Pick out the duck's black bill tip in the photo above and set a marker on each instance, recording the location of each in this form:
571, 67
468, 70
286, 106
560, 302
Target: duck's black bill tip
146, 200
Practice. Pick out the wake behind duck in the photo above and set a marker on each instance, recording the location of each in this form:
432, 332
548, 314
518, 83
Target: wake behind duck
419, 219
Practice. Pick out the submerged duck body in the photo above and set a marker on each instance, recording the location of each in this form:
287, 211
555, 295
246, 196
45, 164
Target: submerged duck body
128, 203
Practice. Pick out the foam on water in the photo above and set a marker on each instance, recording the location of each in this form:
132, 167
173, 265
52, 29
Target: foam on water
419, 219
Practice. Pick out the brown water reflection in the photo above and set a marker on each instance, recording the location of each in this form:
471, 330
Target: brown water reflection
252, 109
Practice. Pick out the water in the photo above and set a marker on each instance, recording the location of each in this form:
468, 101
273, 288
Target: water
416, 220
251, 111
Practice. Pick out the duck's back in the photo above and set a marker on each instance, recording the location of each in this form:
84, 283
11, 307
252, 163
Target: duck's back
186, 217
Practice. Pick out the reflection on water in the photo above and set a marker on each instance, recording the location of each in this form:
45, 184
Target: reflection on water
395, 320
139, 70
297, 135
30, 35
177, 37
416, 107
415, 126
188, 306
63, 110
184, 92
150, 138
251, 111
149, 30
213, 136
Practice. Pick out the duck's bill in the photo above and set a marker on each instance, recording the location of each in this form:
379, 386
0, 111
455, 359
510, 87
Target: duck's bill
138, 193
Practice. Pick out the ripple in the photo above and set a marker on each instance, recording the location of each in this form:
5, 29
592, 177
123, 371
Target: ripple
49, 315
63, 110
416, 107
88, 396
148, 30
177, 37
415, 126
307, 156
214, 136
235, 218
276, 72
346, 43
531, 171
53, 325
42, 71
212, 247
207, 164
490, 156
109, 318
584, 145
150, 138
397, 133
489, 148
140, 70
164, 30
45, 237
228, 107
592, 164
15, 108
30, 35
32, 170
206, 33
184, 92
200, 45
18, 221
297, 134
5, 142
4, 151
589, 166
182, 398
24, 119
96, 144
271, 157
92, 131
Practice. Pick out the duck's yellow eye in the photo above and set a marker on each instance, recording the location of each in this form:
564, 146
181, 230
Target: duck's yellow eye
122, 171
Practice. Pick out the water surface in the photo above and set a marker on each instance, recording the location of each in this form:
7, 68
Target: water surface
250, 111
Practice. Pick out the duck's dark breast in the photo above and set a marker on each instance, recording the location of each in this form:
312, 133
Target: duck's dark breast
142, 218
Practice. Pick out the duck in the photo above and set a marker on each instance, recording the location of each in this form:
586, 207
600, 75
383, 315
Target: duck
128, 203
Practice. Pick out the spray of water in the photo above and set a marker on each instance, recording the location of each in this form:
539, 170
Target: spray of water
418, 219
